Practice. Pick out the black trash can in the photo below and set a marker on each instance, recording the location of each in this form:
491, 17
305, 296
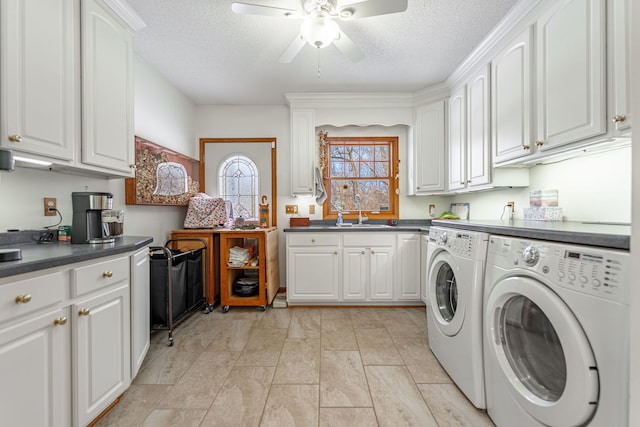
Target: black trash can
159, 271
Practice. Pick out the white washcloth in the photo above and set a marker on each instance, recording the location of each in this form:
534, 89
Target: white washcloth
321, 194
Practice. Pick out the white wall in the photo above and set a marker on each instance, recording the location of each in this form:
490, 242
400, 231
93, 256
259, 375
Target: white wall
590, 188
256, 121
166, 117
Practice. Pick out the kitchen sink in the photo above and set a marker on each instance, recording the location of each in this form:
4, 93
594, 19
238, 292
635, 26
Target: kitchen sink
350, 225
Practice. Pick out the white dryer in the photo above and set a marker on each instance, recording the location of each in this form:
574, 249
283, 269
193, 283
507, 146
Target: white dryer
556, 334
455, 265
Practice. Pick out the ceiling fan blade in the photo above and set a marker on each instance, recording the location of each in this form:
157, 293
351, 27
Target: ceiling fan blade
256, 9
296, 46
348, 47
365, 9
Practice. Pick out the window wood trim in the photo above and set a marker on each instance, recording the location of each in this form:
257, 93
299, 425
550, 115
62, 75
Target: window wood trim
394, 185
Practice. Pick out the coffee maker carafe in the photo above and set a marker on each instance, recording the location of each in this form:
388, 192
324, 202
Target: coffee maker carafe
88, 219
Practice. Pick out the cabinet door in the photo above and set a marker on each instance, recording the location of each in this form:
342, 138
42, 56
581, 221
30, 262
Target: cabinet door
571, 73
140, 315
354, 273
107, 89
381, 273
313, 273
408, 283
429, 149
511, 100
619, 26
35, 367
478, 131
457, 139
40, 75
302, 152
102, 351
424, 247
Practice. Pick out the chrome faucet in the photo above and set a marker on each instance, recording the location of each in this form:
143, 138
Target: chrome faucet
361, 218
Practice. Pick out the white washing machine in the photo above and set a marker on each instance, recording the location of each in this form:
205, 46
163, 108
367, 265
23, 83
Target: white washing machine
455, 265
556, 334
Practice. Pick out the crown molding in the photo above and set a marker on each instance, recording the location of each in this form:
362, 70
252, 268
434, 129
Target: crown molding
126, 13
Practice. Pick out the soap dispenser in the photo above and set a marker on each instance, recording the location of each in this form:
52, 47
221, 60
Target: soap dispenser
339, 220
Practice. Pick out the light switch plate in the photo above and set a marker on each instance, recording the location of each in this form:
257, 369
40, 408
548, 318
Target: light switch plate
291, 209
312, 209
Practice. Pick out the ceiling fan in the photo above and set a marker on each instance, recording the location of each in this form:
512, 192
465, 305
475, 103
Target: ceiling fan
319, 27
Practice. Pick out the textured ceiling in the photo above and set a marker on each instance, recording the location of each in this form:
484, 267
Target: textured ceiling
215, 56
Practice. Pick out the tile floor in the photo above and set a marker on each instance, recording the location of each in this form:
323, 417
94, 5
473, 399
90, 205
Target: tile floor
295, 367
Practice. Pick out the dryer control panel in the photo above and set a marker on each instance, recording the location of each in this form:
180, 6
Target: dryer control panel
463, 243
595, 271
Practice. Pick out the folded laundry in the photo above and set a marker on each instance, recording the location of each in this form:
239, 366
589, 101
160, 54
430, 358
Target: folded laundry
238, 256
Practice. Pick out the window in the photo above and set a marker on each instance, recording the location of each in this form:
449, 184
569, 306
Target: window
364, 166
239, 184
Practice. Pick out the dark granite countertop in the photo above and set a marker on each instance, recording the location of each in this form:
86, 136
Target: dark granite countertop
416, 225
40, 256
606, 235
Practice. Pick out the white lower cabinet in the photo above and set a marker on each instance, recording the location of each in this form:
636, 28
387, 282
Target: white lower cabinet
353, 267
65, 340
367, 273
313, 267
35, 367
101, 351
408, 250
140, 310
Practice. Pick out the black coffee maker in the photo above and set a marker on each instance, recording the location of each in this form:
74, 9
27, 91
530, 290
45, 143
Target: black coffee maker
87, 225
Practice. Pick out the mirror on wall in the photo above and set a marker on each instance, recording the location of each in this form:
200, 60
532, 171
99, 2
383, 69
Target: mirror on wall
243, 165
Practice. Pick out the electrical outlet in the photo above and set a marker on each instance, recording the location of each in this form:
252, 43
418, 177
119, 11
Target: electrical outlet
312, 209
291, 209
50, 206
513, 206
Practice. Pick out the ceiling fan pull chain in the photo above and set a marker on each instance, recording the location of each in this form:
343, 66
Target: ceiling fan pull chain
318, 50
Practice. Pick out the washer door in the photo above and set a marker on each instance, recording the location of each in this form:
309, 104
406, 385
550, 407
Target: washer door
446, 298
543, 352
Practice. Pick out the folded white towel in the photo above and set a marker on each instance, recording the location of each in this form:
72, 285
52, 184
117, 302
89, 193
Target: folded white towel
321, 194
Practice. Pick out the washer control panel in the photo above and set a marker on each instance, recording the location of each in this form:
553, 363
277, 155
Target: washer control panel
459, 242
596, 271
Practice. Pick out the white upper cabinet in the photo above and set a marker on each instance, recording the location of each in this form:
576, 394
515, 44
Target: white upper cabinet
511, 100
457, 139
571, 101
107, 89
478, 131
302, 152
619, 29
429, 149
39, 69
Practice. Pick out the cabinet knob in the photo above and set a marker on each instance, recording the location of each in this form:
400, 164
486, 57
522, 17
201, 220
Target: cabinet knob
84, 312
23, 299
362, 252
526, 146
107, 274
461, 182
60, 321
132, 166
373, 252
313, 240
539, 143
619, 118
15, 138
468, 181
335, 252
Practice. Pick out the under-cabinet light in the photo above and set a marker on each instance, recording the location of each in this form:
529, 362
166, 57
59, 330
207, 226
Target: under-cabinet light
33, 161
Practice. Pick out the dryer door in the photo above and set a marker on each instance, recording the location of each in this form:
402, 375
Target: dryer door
447, 300
543, 352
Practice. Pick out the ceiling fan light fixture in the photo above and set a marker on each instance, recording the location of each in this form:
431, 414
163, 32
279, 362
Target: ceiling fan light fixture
319, 30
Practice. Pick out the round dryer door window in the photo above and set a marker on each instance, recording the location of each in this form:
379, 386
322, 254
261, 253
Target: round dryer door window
542, 351
446, 297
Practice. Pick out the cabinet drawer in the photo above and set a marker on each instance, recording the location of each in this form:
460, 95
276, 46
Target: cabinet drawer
369, 239
313, 239
99, 275
28, 295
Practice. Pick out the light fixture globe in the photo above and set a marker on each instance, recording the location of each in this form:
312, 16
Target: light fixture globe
319, 30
